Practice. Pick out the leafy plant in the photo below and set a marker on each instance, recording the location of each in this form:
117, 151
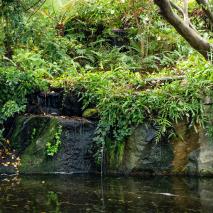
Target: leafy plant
52, 147
15, 85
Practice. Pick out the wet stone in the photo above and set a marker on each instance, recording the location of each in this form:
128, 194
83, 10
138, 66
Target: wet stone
32, 133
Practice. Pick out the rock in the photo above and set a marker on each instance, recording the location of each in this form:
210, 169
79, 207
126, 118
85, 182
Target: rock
205, 157
45, 102
185, 143
191, 167
32, 133
72, 106
55, 102
193, 153
142, 155
90, 113
189, 153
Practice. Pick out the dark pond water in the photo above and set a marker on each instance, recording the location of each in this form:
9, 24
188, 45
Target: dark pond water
90, 194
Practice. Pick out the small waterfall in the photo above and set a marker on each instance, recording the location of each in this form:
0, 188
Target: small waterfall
46, 103
77, 143
45, 112
102, 159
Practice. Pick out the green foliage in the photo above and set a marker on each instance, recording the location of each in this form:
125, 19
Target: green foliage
52, 147
53, 201
124, 100
90, 112
89, 47
88, 40
15, 85
33, 134
52, 37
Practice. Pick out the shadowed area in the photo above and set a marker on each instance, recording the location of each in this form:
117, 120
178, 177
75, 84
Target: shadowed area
91, 194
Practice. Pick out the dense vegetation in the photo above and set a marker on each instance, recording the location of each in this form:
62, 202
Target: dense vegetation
115, 54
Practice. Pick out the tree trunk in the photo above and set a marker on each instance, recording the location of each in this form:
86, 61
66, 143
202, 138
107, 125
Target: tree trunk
190, 35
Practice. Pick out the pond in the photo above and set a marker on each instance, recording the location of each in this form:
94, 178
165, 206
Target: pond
61, 193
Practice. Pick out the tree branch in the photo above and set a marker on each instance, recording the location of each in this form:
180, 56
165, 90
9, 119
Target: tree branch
186, 15
190, 35
36, 4
179, 9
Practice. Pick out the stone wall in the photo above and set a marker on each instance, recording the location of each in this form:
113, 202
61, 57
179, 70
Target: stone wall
189, 153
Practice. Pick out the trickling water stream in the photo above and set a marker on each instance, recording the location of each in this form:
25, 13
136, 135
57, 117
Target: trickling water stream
90, 194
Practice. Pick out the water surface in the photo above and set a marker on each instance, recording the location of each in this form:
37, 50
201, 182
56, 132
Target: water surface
111, 194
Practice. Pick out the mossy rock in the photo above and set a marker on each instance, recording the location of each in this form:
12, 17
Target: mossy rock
139, 154
30, 137
90, 113
114, 154
27, 129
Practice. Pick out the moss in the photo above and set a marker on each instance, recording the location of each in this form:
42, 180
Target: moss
114, 155
24, 131
90, 113
35, 154
16, 143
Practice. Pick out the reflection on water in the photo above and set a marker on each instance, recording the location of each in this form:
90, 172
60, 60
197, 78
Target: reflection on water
90, 194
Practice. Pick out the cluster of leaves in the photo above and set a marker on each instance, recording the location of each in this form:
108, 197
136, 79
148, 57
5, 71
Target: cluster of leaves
102, 35
80, 33
52, 147
15, 85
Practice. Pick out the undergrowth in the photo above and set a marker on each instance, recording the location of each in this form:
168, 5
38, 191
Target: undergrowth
125, 100
15, 85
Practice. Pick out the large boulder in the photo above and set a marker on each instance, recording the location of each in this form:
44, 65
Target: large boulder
190, 152
141, 155
201, 159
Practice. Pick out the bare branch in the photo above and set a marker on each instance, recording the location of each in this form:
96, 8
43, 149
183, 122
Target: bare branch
38, 8
180, 10
186, 15
36, 4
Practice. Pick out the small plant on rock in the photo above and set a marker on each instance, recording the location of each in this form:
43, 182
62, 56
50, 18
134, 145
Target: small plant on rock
53, 147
